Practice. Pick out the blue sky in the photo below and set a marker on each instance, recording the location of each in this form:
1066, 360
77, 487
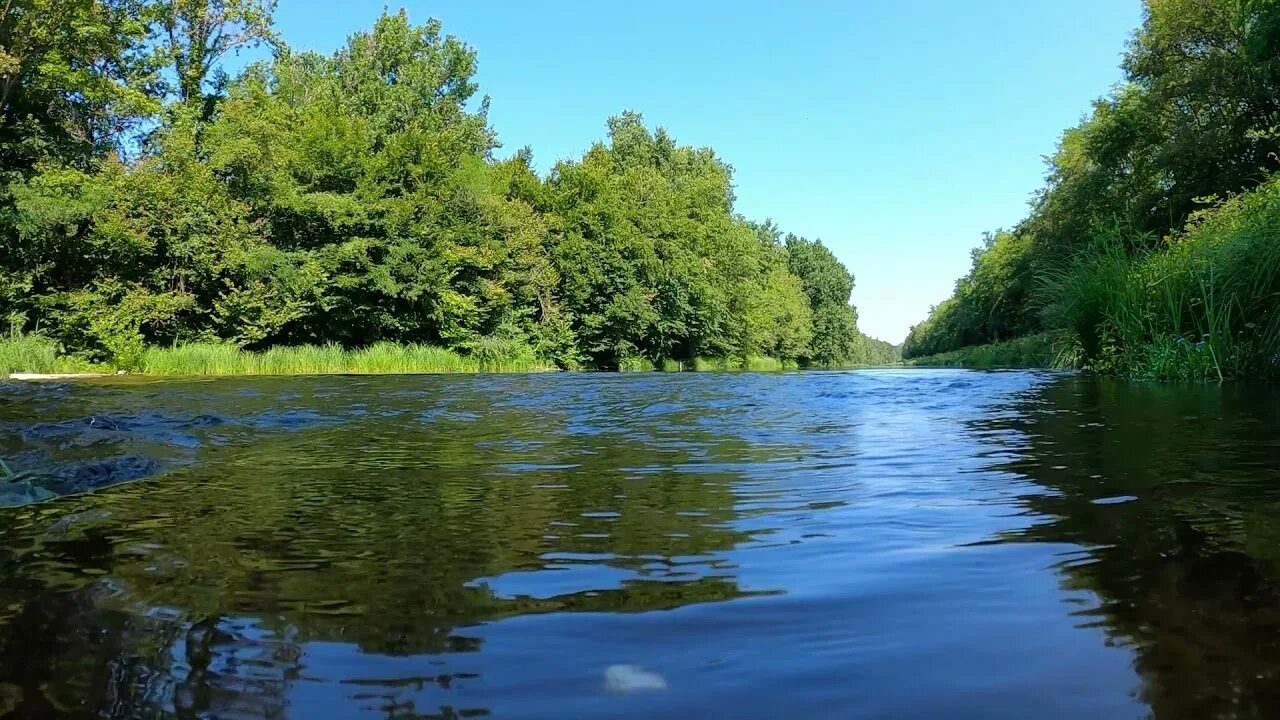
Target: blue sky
897, 132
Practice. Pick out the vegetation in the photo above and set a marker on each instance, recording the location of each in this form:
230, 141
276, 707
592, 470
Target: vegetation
1153, 246
36, 354
339, 205
380, 358
1030, 351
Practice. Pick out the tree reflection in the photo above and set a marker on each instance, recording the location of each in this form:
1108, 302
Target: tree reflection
1175, 493
295, 542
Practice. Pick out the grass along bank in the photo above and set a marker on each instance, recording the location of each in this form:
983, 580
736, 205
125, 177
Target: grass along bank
1154, 244
1206, 306
38, 354
757, 363
35, 354
1034, 351
1203, 305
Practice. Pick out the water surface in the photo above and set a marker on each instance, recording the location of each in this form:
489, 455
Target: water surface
873, 544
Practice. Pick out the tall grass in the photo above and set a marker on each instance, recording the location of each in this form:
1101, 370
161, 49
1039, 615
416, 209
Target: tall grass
1205, 307
29, 353
36, 354
636, 364
753, 363
381, 358
495, 354
24, 353
761, 363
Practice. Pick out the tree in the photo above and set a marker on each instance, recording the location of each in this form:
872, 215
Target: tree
73, 76
354, 198
828, 284
1197, 121
73, 80
192, 36
648, 233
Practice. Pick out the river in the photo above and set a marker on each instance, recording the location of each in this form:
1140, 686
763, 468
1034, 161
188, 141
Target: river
868, 544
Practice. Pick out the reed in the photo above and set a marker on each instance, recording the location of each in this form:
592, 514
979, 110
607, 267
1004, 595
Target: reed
36, 354
755, 363
1205, 307
761, 363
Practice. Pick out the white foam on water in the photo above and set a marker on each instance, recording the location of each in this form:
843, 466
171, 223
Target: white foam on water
632, 679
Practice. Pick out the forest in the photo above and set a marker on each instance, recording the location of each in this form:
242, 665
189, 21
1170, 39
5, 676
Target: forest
350, 211
1153, 249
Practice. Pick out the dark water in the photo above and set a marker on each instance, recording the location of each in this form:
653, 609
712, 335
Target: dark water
881, 544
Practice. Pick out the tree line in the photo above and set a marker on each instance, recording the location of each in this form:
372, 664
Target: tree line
148, 198
1153, 248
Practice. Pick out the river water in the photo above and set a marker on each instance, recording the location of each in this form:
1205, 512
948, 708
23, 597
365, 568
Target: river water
871, 544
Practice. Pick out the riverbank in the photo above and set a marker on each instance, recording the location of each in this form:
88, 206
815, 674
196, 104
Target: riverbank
32, 357
36, 355
1033, 351
1154, 246
1200, 307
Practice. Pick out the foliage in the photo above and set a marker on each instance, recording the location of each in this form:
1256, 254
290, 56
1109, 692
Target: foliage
353, 201
1103, 246
870, 351
73, 75
193, 35
655, 263
1204, 308
827, 285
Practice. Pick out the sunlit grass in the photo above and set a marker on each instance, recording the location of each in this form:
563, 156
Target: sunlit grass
1205, 307
754, 363
36, 354
379, 359
760, 363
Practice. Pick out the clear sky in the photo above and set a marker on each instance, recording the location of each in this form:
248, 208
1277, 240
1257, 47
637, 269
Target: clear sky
897, 132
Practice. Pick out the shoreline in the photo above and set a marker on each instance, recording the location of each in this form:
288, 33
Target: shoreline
27, 377
1040, 351
34, 358
41, 377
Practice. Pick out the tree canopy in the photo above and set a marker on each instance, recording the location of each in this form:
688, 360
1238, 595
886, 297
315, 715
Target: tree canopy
356, 198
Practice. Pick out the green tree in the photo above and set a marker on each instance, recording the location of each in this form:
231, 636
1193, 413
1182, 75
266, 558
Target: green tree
73, 80
73, 76
828, 284
192, 36
1197, 121
648, 246
354, 198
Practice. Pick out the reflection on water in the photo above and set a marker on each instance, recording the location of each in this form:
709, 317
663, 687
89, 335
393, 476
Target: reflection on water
867, 544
